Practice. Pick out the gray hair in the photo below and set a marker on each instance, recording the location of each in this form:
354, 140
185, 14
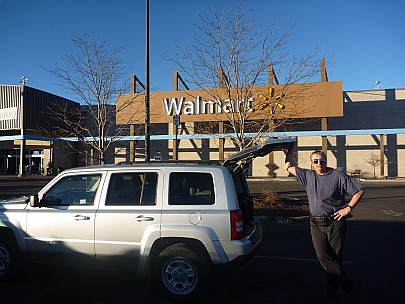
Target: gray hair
317, 152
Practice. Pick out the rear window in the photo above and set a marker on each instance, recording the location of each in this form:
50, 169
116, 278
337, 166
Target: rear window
132, 189
188, 188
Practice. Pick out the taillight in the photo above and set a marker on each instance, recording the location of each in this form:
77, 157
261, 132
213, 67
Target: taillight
236, 224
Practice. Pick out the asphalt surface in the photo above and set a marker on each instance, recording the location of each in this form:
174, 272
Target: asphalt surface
285, 269
13, 186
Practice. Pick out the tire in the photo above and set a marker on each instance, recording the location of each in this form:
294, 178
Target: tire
181, 273
6, 260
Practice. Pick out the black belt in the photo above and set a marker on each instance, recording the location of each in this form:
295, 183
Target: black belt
324, 220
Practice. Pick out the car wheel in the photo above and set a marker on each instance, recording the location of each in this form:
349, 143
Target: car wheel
180, 272
5, 260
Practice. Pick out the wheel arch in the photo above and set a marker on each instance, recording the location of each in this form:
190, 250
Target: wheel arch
193, 244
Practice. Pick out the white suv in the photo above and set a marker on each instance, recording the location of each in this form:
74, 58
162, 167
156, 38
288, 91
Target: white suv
175, 220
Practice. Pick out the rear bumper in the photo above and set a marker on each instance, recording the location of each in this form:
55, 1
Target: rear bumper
241, 251
256, 235
256, 239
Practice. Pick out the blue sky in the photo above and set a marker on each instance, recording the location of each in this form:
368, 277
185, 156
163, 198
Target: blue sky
365, 39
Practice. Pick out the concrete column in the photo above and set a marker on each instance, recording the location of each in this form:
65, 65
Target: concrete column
382, 154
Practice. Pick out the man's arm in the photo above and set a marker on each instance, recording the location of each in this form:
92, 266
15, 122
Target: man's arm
289, 162
356, 198
338, 215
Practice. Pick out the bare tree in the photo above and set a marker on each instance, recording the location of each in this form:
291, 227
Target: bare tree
96, 75
374, 161
229, 57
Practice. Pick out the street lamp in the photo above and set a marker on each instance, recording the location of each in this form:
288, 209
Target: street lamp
23, 80
22, 127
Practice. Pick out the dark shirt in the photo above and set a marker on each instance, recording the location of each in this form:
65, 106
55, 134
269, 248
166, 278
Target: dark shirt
326, 193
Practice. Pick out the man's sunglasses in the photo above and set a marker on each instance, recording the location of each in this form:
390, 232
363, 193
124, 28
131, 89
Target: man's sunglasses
321, 161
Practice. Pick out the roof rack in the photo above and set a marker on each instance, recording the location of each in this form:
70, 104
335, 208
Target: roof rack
198, 162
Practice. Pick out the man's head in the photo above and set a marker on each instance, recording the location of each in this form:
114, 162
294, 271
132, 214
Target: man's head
318, 161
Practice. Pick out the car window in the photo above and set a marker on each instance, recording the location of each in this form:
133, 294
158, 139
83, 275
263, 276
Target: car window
189, 188
73, 190
132, 189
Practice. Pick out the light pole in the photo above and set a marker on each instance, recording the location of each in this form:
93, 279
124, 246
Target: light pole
22, 128
147, 106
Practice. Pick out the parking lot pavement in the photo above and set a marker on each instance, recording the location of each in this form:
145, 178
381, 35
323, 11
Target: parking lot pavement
13, 186
373, 249
284, 271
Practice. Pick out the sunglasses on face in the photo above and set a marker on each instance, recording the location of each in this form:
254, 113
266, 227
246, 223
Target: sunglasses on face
319, 161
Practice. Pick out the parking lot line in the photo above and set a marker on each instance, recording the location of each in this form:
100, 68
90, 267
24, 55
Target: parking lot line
294, 259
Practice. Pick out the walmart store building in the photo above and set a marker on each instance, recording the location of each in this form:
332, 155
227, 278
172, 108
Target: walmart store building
351, 127
355, 128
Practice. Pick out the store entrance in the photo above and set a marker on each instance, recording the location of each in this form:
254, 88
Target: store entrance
33, 163
12, 165
37, 164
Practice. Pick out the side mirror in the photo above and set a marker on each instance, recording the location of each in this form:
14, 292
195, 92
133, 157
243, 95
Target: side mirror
34, 201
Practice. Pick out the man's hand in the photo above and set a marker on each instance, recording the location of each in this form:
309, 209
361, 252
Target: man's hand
289, 160
290, 153
341, 213
338, 215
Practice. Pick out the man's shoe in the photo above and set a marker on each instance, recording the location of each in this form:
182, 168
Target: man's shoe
354, 291
331, 296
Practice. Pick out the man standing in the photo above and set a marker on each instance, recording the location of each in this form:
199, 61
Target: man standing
326, 189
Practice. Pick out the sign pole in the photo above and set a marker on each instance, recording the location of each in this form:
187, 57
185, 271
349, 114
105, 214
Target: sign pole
176, 123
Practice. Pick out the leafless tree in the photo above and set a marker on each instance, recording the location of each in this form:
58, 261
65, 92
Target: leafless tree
96, 75
374, 161
229, 57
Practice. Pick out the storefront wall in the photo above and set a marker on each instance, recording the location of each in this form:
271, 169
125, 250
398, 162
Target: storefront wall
26, 113
354, 154
363, 110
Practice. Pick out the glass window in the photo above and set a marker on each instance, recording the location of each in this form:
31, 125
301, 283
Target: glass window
73, 190
187, 188
132, 189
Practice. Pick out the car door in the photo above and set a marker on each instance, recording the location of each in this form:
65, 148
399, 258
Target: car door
129, 217
61, 230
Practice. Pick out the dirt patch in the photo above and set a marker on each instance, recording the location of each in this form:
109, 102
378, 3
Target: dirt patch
270, 204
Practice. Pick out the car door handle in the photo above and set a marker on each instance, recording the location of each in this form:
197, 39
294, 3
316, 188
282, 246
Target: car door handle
81, 217
142, 218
